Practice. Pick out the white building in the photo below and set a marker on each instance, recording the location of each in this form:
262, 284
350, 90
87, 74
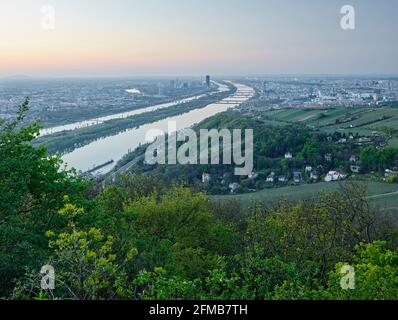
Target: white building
271, 177
233, 186
334, 176
253, 175
206, 177
288, 155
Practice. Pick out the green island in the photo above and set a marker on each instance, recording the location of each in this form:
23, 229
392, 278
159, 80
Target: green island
67, 141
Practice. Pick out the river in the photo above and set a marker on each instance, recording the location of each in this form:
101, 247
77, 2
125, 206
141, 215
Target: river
99, 120
115, 147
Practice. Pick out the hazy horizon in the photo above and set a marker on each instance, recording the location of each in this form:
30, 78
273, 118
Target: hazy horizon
172, 38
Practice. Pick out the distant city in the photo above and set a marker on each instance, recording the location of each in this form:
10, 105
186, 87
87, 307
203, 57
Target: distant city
57, 101
53, 98
324, 92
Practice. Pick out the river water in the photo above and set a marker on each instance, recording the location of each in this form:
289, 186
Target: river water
96, 121
115, 147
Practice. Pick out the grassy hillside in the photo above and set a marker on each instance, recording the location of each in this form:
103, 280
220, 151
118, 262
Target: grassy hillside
362, 120
381, 194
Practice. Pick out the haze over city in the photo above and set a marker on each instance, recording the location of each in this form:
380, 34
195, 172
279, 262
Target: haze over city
176, 37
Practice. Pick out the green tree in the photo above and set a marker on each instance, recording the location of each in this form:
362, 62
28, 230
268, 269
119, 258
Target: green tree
376, 275
32, 187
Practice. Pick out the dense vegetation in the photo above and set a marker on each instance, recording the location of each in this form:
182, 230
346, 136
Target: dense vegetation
143, 239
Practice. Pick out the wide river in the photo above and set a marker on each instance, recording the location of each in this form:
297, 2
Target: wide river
126, 114
115, 147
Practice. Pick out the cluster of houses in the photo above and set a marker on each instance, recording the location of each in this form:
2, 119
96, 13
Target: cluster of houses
309, 173
298, 176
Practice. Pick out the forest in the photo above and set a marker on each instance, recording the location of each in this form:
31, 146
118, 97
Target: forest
147, 238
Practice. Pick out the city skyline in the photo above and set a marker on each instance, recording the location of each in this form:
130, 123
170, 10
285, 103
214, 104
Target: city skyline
158, 38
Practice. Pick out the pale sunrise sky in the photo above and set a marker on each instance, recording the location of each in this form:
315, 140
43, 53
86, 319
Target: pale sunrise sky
194, 37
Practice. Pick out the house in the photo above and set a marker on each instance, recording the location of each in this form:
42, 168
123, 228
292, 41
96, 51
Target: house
354, 158
253, 175
282, 179
297, 177
390, 172
314, 176
328, 157
334, 176
342, 140
206, 177
288, 155
355, 168
271, 177
233, 187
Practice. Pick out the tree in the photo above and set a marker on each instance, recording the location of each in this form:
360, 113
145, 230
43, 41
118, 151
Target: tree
376, 275
84, 262
32, 187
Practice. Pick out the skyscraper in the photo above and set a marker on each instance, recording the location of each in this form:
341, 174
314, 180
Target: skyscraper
208, 81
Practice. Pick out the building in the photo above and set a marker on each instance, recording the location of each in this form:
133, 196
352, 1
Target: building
314, 176
282, 179
354, 158
334, 176
233, 187
297, 177
253, 175
208, 81
271, 177
206, 177
308, 169
355, 168
288, 155
389, 172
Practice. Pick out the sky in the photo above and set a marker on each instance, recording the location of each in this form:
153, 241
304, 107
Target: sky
196, 37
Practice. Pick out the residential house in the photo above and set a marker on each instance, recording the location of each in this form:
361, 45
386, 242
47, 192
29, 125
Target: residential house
271, 177
314, 176
288, 155
354, 158
206, 177
389, 172
282, 179
233, 187
253, 175
355, 168
308, 169
297, 177
334, 176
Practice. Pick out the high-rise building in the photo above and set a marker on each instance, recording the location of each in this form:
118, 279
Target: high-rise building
160, 89
264, 88
208, 81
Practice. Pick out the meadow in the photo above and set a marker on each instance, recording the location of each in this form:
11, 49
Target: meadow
381, 194
361, 120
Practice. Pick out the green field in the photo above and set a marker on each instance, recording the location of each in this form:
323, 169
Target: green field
361, 120
381, 194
